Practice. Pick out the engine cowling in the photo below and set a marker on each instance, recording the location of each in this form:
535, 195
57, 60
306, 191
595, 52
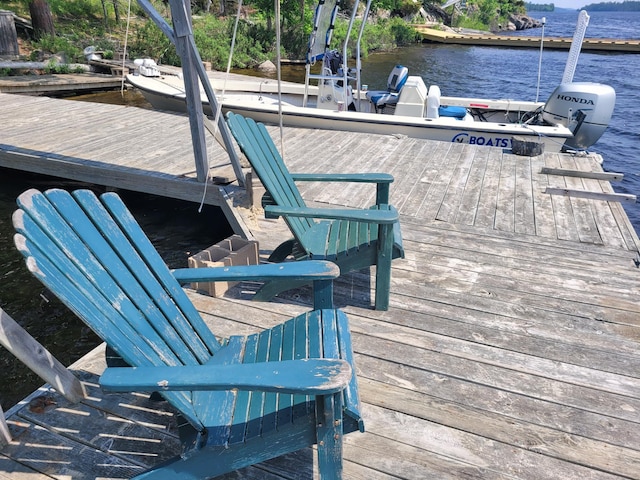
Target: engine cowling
583, 107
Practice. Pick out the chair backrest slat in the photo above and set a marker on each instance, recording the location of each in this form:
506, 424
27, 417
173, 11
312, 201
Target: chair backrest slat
256, 143
49, 238
153, 274
100, 264
129, 274
111, 322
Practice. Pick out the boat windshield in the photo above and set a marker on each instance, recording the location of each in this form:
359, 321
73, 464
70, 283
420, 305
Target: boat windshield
320, 37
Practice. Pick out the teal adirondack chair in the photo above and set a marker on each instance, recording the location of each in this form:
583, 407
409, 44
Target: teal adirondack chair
245, 399
353, 239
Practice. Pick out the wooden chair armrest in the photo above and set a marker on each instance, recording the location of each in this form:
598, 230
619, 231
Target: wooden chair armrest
307, 271
382, 181
365, 215
343, 177
317, 376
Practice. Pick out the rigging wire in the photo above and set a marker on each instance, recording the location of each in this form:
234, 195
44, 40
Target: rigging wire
278, 74
124, 53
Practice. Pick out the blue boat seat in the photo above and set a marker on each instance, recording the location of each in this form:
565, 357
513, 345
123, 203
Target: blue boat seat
435, 110
395, 82
453, 112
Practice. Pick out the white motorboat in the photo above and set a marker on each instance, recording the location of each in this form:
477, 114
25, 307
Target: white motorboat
574, 117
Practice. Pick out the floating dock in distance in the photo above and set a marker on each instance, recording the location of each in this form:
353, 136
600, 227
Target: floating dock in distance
431, 35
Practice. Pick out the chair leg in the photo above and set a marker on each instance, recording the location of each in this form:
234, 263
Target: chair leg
282, 251
383, 285
329, 436
383, 274
272, 288
383, 268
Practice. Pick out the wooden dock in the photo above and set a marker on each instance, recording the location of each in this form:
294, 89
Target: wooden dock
510, 349
59, 84
555, 43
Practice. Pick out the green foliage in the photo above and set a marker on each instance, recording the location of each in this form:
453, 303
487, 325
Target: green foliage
296, 18
470, 23
407, 8
149, 42
59, 44
487, 14
55, 67
403, 33
386, 34
627, 6
77, 9
383, 5
540, 7
295, 37
213, 38
4, 72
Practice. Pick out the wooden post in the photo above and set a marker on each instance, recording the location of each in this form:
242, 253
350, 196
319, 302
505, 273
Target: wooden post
8, 34
30, 352
181, 12
5, 435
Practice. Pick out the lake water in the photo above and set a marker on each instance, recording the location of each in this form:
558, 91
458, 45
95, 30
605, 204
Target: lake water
178, 230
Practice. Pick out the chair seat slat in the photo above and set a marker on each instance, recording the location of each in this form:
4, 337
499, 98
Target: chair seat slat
243, 399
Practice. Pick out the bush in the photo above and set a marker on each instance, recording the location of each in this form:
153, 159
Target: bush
150, 42
213, 39
55, 67
386, 34
57, 44
408, 8
77, 9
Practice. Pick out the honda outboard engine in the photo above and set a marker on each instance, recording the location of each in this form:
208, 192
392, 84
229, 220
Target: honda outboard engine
585, 108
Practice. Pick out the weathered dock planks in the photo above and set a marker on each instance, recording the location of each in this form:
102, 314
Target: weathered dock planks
510, 349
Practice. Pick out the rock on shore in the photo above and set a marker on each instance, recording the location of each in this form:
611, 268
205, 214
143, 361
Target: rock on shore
434, 13
522, 22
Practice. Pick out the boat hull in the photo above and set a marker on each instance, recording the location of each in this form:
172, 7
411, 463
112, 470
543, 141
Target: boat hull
263, 107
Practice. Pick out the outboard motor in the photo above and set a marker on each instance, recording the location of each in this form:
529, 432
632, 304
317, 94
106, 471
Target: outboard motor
585, 108
147, 67
333, 61
332, 93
